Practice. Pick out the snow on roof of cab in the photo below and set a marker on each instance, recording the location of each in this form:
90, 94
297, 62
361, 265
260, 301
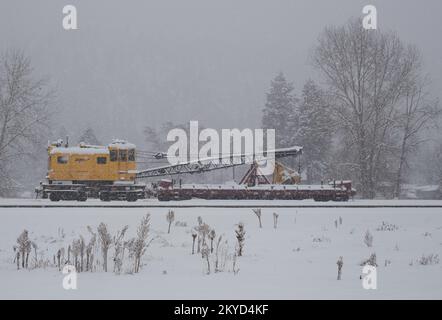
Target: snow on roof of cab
80, 150
121, 144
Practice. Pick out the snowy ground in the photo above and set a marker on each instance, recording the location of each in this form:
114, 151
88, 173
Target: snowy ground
295, 261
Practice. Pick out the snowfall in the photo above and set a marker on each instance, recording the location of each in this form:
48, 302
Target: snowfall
295, 260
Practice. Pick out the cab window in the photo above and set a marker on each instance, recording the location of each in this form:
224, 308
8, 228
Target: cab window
113, 155
131, 155
62, 159
123, 155
101, 160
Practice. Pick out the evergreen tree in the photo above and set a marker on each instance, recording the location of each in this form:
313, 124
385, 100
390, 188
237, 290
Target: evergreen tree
280, 110
314, 131
88, 136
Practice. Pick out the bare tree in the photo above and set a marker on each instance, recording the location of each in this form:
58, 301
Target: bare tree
367, 71
170, 218
258, 214
24, 111
105, 241
415, 114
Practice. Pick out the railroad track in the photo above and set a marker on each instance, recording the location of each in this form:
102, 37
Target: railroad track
197, 205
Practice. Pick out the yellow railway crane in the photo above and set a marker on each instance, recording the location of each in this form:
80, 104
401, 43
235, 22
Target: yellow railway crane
110, 173
105, 172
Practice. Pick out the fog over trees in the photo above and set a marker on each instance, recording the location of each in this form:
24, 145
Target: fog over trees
25, 112
376, 107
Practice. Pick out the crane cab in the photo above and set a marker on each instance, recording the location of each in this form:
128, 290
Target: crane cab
106, 172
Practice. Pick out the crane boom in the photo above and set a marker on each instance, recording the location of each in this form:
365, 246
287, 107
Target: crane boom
220, 162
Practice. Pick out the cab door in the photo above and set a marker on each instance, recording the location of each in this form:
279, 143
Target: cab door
122, 164
102, 167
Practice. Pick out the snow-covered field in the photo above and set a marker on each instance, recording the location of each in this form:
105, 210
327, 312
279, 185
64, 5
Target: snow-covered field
297, 260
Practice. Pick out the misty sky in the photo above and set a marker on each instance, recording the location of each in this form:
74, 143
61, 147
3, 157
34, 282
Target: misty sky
138, 63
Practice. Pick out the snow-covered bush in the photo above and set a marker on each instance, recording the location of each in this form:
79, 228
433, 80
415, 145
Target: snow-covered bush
235, 268
181, 224
321, 239
340, 264
240, 237
75, 250
205, 254
35, 247
60, 258
23, 249
82, 248
212, 235
202, 230
194, 235
105, 242
258, 214
170, 217
137, 246
90, 250
218, 251
368, 239
275, 220
119, 250
370, 261
385, 226
427, 260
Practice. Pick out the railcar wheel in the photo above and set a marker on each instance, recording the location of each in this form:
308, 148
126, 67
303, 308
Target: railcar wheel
54, 196
104, 196
82, 196
131, 197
